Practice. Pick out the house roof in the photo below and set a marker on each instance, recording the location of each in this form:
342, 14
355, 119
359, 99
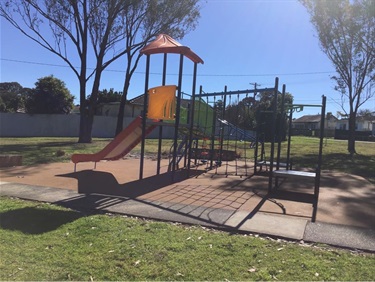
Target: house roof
308, 118
137, 100
166, 44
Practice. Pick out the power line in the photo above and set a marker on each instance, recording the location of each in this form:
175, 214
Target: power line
157, 73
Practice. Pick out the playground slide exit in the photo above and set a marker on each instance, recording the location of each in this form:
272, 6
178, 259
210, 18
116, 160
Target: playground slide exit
121, 145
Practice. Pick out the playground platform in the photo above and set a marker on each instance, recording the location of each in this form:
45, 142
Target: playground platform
345, 218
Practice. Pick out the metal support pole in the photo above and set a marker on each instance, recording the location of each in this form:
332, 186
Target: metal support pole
318, 169
177, 121
161, 127
281, 127
191, 116
212, 149
144, 116
288, 164
273, 127
222, 127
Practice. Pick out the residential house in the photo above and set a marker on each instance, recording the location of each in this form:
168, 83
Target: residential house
133, 108
308, 123
361, 124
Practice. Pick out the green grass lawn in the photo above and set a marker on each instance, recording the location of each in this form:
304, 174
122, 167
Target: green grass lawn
304, 152
46, 242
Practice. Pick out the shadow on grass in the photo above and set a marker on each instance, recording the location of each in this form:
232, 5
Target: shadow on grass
40, 153
33, 220
31, 147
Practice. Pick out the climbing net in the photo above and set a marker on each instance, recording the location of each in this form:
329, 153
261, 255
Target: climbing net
221, 139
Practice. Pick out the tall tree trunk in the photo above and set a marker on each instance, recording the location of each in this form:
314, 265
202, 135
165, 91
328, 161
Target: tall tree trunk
85, 128
121, 112
351, 133
85, 125
120, 116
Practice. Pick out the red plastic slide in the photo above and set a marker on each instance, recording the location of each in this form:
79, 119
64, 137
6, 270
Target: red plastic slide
122, 144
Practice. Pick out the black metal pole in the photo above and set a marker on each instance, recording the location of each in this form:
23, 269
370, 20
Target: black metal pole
222, 126
273, 126
322, 123
191, 116
144, 116
161, 127
198, 125
288, 164
281, 127
318, 169
177, 121
212, 149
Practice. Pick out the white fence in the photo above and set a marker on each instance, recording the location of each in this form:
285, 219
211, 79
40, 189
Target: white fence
25, 125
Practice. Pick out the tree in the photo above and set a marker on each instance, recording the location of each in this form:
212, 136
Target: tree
367, 114
73, 30
11, 97
346, 31
107, 96
263, 117
50, 96
144, 21
241, 113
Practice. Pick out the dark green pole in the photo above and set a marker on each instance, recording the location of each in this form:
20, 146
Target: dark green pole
144, 116
177, 121
191, 116
273, 129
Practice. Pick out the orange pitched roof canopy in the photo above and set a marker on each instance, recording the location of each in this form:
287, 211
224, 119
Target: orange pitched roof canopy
166, 44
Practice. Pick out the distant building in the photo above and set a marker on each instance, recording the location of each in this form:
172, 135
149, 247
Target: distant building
312, 122
133, 108
361, 124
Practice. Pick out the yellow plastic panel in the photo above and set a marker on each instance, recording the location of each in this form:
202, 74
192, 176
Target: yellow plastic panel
162, 102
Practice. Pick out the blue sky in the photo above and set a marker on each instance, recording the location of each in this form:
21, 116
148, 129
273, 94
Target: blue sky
241, 42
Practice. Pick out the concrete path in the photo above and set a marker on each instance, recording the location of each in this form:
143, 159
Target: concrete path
345, 216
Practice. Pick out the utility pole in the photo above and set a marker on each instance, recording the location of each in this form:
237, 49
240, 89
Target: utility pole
255, 86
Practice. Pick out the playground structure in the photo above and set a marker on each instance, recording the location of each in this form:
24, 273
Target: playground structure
202, 135
122, 144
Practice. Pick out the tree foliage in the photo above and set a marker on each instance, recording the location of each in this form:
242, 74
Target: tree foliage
108, 96
256, 114
242, 113
11, 97
95, 33
145, 20
264, 116
367, 114
346, 31
50, 96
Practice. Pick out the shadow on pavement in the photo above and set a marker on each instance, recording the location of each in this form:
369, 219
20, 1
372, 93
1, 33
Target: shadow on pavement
100, 182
